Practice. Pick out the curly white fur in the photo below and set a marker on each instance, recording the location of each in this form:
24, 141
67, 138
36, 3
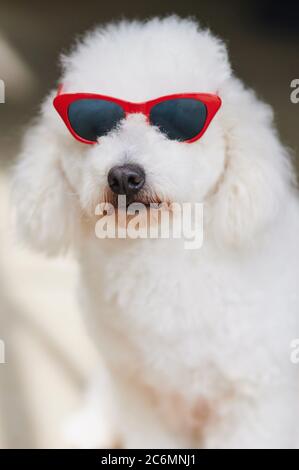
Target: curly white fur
196, 344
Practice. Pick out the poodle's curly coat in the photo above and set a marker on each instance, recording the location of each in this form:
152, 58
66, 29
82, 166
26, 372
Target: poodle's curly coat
196, 344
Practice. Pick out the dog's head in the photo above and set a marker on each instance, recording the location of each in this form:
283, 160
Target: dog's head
238, 167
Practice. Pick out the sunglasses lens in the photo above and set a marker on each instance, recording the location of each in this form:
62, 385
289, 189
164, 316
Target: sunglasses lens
179, 118
93, 118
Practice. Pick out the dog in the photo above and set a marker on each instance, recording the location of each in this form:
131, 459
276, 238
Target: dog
195, 343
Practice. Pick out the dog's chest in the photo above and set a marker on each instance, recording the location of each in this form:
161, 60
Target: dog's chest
165, 304
174, 315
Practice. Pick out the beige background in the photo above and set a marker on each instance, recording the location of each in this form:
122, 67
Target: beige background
48, 355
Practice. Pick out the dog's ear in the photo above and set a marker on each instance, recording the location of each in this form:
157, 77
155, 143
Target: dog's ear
258, 175
43, 201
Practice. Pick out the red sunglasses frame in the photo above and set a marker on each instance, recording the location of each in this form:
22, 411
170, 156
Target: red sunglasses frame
62, 102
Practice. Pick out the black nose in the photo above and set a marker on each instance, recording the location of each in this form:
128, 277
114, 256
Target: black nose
126, 179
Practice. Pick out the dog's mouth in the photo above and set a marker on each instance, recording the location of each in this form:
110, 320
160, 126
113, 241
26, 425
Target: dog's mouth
144, 198
121, 210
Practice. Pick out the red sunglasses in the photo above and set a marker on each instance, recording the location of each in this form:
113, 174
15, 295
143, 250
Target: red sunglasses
183, 117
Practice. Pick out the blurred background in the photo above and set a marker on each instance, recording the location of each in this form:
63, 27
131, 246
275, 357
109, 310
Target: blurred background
48, 355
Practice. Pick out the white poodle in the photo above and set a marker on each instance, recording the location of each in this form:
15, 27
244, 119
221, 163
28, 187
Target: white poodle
196, 343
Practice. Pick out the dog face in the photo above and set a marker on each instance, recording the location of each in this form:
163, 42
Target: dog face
140, 62
229, 167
